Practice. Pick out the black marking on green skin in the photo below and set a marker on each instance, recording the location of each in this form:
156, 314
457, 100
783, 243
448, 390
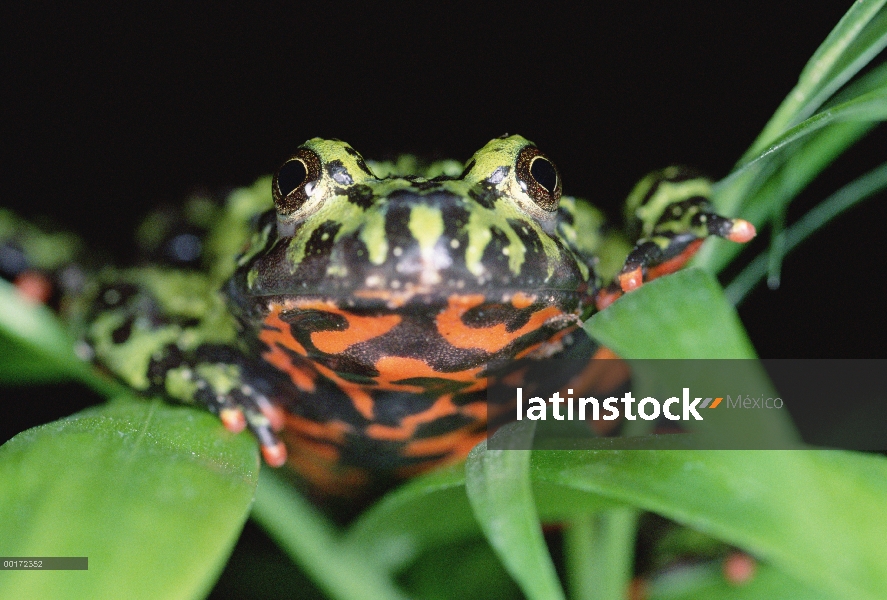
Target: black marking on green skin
495, 260
427, 185
116, 294
397, 218
695, 215
485, 195
361, 195
321, 241
534, 259
715, 224
360, 161
461, 258
339, 173
121, 334
467, 169
678, 210
680, 174
163, 361
272, 271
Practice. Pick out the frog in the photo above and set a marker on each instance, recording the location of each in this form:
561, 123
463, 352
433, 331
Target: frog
352, 314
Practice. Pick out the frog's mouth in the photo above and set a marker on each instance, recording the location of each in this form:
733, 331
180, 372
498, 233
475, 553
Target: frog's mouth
346, 269
432, 243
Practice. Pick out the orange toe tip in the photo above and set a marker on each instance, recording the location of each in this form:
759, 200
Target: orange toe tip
34, 286
274, 455
632, 280
742, 231
606, 298
739, 568
233, 419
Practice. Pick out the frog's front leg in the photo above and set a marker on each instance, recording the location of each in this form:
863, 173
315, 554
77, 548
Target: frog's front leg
670, 214
225, 382
169, 332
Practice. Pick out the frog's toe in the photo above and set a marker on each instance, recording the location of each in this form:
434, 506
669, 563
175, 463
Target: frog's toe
272, 412
631, 279
275, 455
273, 450
263, 420
607, 296
741, 231
735, 230
233, 419
667, 251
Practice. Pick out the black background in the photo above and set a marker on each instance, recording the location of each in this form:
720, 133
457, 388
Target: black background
109, 111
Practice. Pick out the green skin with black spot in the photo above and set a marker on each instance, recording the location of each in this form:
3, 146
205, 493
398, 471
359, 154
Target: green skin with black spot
377, 243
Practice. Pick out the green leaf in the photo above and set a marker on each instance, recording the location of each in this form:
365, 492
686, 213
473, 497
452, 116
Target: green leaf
315, 544
817, 516
153, 495
427, 512
847, 197
765, 190
871, 106
785, 159
500, 493
433, 510
599, 553
687, 316
707, 582
857, 38
37, 348
31, 328
465, 570
684, 315
22, 367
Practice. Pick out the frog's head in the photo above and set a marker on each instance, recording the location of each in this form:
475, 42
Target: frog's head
341, 231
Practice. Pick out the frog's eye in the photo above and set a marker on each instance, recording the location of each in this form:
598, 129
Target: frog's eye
539, 178
295, 181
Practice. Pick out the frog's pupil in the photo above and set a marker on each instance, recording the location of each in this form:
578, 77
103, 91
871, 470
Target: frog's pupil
543, 172
291, 176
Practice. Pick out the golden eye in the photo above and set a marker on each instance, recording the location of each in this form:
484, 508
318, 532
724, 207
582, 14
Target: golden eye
540, 178
295, 180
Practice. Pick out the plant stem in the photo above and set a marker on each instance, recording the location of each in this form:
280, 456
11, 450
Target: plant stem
600, 554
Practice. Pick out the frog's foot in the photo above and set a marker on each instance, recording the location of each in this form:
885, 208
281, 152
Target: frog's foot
244, 407
667, 251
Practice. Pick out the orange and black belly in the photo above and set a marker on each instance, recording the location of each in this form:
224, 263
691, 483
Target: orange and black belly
388, 387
